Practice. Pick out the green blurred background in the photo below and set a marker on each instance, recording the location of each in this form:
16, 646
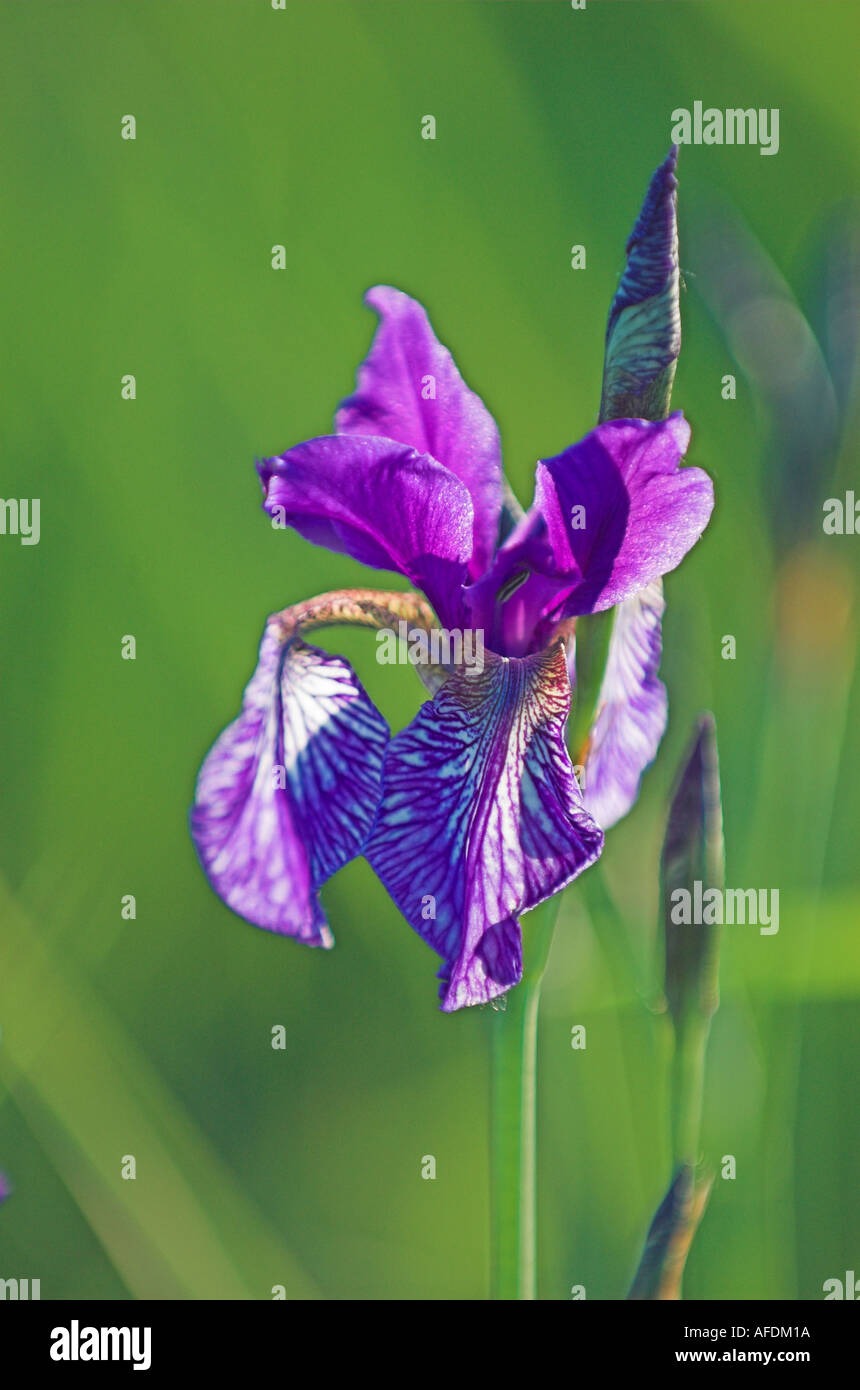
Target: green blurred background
152, 1037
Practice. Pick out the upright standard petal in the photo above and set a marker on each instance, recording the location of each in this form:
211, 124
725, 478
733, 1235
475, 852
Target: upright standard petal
620, 510
409, 389
610, 515
481, 818
289, 791
631, 709
382, 503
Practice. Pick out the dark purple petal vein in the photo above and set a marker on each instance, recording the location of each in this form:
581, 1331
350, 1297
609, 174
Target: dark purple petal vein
289, 791
481, 818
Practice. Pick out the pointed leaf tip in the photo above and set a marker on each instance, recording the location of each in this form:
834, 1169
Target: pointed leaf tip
643, 334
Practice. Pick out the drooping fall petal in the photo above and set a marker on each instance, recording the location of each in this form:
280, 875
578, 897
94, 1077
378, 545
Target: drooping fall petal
380, 502
481, 818
409, 389
631, 709
288, 792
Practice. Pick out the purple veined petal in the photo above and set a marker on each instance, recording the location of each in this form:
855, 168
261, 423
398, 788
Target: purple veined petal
289, 791
631, 709
5, 1188
481, 818
409, 389
382, 503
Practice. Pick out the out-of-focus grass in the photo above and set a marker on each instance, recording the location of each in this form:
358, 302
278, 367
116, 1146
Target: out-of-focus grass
181, 1227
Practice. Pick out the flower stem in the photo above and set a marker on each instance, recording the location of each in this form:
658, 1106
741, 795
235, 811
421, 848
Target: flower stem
688, 1079
513, 1151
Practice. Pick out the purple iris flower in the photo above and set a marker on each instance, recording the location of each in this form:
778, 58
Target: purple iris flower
473, 814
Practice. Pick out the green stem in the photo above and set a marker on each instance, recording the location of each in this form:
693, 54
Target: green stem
513, 1153
688, 1080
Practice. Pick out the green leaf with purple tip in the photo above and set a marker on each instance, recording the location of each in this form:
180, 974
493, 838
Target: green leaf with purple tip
643, 335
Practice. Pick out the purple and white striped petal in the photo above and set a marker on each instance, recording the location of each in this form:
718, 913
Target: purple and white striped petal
632, 709
409, 389
481, 818
382, 503
289, 791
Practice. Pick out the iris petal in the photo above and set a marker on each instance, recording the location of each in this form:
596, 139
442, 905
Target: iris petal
288, 792
631, 709
481, 818
409, 389
610, 515
380, 502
